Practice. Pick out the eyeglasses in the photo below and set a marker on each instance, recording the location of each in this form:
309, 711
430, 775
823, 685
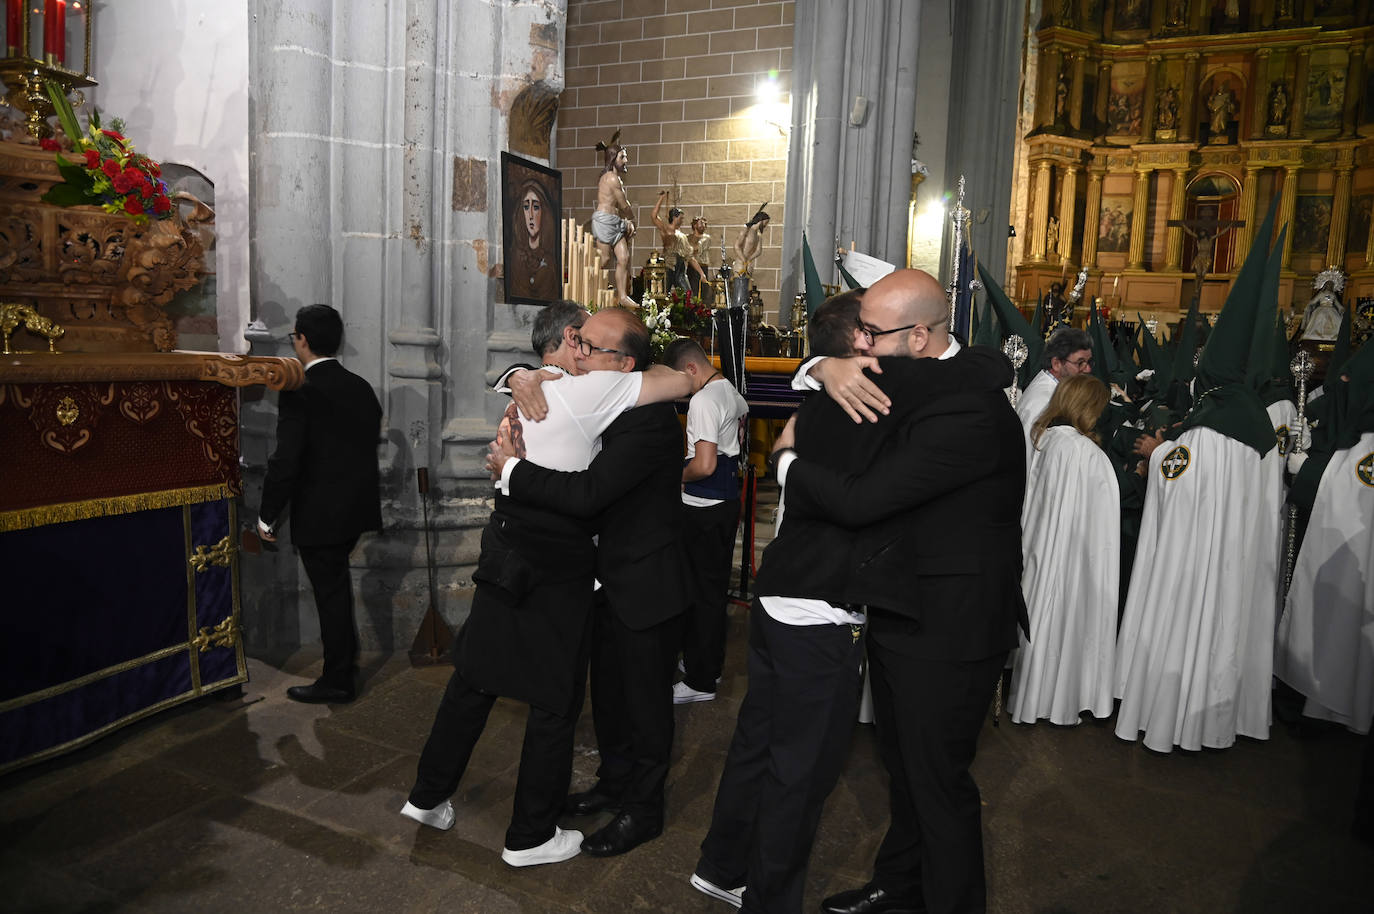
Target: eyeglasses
870, 334
296, 336
587, 348
1080, 363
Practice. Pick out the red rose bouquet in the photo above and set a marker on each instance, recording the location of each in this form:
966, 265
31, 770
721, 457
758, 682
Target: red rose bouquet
110, 174
689, 313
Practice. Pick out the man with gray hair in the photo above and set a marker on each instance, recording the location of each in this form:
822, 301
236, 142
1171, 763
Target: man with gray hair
1068, 352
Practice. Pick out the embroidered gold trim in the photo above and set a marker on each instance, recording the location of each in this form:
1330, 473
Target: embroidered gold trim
20, 701
65, 512
225, 634
191, 627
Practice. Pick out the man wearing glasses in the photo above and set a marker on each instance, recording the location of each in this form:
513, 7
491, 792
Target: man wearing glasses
935, 560
806, 639
525, 637
1068, 352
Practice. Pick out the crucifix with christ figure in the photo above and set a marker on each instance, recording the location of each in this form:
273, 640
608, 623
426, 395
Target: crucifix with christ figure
1205, 232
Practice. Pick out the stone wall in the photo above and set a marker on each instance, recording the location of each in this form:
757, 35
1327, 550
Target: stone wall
681, 80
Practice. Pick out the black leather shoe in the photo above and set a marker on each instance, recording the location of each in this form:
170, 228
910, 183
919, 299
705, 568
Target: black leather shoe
870, 900
623, 833
317, 694
589, 802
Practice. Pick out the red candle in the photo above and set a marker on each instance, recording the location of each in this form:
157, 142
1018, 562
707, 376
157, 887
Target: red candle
14, 25
55, 29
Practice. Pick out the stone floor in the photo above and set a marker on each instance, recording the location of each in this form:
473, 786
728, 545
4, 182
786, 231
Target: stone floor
258, 804
263, 805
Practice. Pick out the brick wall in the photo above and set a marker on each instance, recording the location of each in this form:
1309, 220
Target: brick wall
679, 79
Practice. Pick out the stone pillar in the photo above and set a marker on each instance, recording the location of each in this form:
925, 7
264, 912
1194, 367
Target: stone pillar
1040, 209
1286, 206
1139, 213
1259, 94
1076, 92
1147, 123
1340, 215
1092, 212
1354, 89
1187, 115
1298, 110
1249, 190
1068, 188
1104, 87
1173, 250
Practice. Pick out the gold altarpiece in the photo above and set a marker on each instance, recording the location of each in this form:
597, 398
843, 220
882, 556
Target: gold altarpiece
1147, 112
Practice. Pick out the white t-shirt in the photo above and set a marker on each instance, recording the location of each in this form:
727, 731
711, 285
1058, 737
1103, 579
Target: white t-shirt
580, 408
715, 413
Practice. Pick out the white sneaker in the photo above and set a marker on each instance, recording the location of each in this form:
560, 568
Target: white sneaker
440, 817
684, 694
564, 845
734, 897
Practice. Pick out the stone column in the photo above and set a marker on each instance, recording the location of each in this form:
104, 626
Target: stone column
1340, 215
1092, 212
1173, 249
1187, 115
1147, 121
1248, 191
1104, 87
1068, 188
1354, 88
1298, 110
1286, 206
1040, 209
1259, 94
1139, 213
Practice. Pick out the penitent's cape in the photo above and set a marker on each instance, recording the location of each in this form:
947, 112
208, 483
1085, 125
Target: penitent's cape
1071, 536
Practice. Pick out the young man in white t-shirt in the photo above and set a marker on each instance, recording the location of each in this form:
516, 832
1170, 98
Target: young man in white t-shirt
710, 514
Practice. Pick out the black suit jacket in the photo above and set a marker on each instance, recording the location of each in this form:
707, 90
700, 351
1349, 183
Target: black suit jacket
813, 556
934, 523
632, 493
325, 463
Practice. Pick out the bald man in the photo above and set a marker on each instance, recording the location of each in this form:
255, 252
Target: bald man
936, 564
806, 639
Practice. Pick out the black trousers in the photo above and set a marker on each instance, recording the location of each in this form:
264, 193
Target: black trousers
708, 540
327, 569
545, 761
790, 744
632, 708
929, 714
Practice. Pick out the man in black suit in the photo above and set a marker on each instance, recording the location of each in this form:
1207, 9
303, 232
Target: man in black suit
937, 560
630, 494
325, 468
806, 646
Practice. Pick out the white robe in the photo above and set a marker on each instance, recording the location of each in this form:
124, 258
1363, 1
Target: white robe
1071, 536
1195, 652
1326, 638
1032, 403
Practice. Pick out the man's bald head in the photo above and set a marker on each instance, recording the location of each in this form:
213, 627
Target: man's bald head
909, 299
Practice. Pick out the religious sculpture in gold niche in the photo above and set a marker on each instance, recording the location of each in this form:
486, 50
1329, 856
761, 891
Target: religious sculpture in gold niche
1277, 122
1166, 114
1222, 104
1178, 14
611, 223
1052, 239
1321, 321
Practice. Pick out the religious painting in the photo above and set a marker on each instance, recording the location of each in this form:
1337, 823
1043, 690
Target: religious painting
1361, 215
1333, 9
1114, 225
531, 201
1130, 15
1325, 89
1126, 100
1311, 223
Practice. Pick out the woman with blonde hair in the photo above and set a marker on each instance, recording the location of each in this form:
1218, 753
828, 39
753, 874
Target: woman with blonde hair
1071, 534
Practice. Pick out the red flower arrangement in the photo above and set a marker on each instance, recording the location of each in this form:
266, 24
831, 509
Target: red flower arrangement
111, 174
688, 313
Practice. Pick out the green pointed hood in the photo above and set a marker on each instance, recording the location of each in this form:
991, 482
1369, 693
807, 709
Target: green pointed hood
1014, 322
815, 292
1224, 399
